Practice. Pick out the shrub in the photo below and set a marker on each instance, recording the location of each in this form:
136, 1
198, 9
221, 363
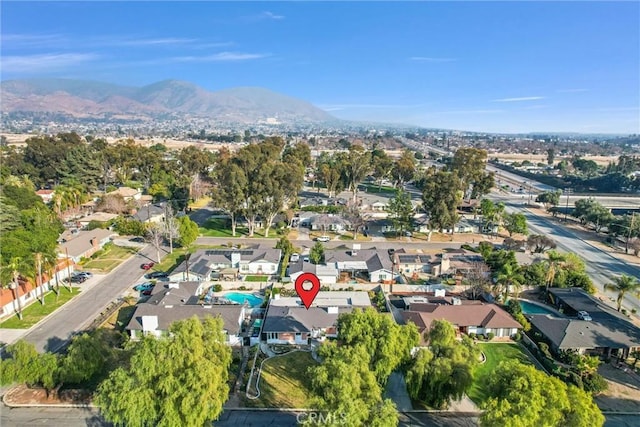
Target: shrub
517, 337
595, 383
544, 348
217, 287
467, 247
472, 336
490, 336
575, 379
243, 288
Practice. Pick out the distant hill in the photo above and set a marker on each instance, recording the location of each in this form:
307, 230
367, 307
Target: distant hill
81, 98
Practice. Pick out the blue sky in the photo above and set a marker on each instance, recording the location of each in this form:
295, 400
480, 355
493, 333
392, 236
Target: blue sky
496, 67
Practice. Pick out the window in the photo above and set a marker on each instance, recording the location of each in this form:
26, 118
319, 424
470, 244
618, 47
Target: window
272, 335
298, 336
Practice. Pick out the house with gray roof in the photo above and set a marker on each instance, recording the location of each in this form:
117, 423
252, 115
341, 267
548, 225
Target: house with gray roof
170, 302
609, 333
371, 263
150, 213
213, 264
329, 222
83, 244
415, 262
287, 321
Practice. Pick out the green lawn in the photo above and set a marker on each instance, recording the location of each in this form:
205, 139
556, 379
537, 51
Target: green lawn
36, 311
220, 227
495, 353
284, 382
374, 188
256, 278
109, 259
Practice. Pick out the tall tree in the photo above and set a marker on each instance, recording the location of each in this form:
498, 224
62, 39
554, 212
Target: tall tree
316, 255
155, 235
443, 370
346, 386
441, 196
469, 163
554, 261
539, 243
387, 343
229, 194
404, 168
381, 164
188, 231
510, 280
516, 223
623, 284
177, 380
401, 211
523, 396
357, 165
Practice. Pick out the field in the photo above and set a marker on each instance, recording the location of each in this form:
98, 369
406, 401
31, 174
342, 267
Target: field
109, 259
542, 158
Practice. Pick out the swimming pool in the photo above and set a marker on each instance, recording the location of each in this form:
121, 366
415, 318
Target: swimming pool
240, 298
530, 308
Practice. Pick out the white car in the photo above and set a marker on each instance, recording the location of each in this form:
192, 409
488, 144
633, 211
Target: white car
584, 315
323, 238
294, 257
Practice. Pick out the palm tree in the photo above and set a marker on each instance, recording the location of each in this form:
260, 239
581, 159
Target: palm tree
510, 277
11, 275
554, 260
622, 285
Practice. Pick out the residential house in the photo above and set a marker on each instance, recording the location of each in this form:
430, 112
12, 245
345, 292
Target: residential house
476, 318
213, 264
608, 334
287, 320
83, 244
27, 290
151, 213
127, 193
171, 302
327, 274
375, 265
98, 217
329, 222
46, 195
413, 263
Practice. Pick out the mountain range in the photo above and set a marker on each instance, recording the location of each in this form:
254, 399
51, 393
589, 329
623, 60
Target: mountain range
91, 99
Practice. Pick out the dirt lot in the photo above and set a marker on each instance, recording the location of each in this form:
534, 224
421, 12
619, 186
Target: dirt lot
623, 394
542, 158
23, 395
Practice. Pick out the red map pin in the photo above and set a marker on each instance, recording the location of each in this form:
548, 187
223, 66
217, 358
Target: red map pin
307, 295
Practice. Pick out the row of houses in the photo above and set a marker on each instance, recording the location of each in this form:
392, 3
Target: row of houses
287, 321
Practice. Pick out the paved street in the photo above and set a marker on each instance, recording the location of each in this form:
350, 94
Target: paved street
77, 314
601, 266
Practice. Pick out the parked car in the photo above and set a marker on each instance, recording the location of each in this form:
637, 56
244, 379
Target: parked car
584, 315
323, 238
76, 278
137, 240
147, 265
86, 274
157, 275
143, 287
294, 257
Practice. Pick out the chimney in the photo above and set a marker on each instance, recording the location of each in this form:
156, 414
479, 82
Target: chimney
332, 310
456, 301
93, 241
235, 259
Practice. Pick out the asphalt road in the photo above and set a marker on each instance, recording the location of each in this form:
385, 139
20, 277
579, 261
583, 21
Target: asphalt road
77, 314
73, 417
601, 266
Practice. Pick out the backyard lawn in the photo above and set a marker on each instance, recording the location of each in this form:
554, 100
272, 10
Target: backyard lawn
36, 311
284, 382
256, 278
376, 189
495, 353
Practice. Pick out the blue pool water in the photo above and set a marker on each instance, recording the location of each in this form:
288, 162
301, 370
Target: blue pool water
529, 308
240, 298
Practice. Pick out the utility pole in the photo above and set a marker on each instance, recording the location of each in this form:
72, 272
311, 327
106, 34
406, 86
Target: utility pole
567, 191
626, 248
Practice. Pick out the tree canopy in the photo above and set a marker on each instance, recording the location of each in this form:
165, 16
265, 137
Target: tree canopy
180, 379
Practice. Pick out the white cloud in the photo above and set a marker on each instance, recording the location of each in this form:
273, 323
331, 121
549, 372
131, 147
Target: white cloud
523, 98
431, 59
31, 40
271, 15
44, 62
221, 57
154, 42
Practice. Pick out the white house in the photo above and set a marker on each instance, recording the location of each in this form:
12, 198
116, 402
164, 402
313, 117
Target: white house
288, 321
170, 302
209, 264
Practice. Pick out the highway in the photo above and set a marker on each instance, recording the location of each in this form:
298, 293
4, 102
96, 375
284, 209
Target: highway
600, 265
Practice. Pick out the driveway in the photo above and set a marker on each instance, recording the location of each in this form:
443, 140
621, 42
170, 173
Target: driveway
396, 390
